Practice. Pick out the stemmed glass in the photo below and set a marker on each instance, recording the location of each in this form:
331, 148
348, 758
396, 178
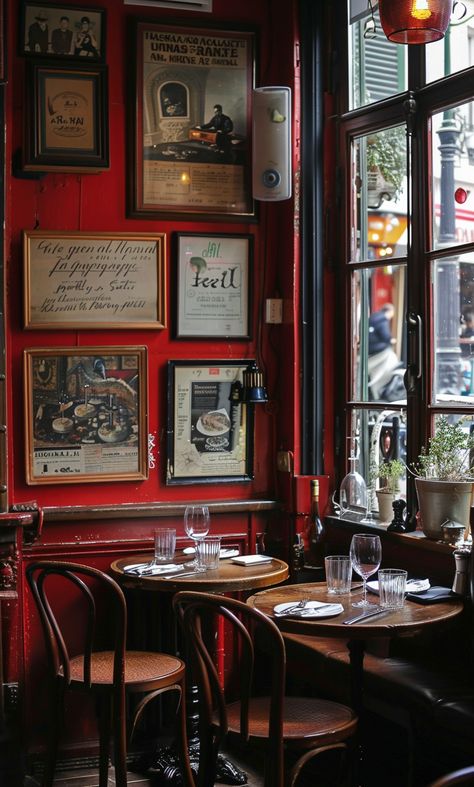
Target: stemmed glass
196, 525
366, 555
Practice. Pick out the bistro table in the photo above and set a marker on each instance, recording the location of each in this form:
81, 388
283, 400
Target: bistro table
227, 578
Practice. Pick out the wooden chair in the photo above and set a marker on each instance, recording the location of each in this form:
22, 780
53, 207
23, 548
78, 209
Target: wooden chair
283, 725
465, 777
110, 675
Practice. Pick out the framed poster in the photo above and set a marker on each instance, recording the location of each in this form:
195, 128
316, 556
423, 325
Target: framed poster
210, 431
66, 119
212, 286
192, 122
57, 31
94, 280
85, 414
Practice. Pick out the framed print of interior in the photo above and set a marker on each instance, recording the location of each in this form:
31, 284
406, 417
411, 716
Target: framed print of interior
191, 151
62, 31
85, 414
66, 118
210, 430
212, 283
95, 280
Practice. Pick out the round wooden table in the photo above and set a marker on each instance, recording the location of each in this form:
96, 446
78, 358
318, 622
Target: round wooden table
228, 578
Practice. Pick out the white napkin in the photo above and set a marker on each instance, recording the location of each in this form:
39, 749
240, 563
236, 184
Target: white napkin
412, 586
251, 560
145, 568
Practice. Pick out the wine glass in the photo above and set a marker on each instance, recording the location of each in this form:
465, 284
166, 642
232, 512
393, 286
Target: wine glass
196, 525
366, 555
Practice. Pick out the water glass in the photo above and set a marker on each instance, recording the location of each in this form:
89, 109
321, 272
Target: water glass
392, 587
208, 551
338, 573
165, 544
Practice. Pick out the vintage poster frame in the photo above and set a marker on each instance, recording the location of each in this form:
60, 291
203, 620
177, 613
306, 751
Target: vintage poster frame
178, 167
66, 118
213, 274
220, 448
85, 413
52, 42
94, 280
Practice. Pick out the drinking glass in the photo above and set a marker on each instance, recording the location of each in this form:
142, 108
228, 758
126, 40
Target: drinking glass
366, 555
196, 525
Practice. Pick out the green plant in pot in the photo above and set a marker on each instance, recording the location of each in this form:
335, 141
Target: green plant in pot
444, 477
390, 473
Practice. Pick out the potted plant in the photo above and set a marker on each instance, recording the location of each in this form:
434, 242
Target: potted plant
444, 477
390, 473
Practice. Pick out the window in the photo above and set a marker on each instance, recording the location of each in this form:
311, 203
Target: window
407, 151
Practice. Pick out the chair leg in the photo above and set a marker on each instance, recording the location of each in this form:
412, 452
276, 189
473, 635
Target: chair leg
313, 753
120, 742
182, 739
53, 736
104, 739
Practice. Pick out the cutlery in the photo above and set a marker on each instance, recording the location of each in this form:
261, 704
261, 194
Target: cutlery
308, 612
364, 615
180, 574
299, 605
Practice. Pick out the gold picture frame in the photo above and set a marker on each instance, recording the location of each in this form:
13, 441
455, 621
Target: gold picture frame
85, 414
96, 280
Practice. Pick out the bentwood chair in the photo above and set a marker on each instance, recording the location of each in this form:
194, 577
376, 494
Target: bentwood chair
111, 674
286, 727
464, 777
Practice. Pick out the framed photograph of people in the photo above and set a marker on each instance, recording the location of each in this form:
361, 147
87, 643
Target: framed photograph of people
85, 414
191, 151
210, 429
212, 281
66, 119
62, 31
95, 280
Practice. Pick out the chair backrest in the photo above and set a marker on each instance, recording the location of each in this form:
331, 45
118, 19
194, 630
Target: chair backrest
251, 628
465, 777
52, 582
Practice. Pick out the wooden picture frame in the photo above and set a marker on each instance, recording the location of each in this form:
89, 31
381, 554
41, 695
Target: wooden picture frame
85, 414
94, 280
210, 430
72, 32
188, 158
213, 285
66, 118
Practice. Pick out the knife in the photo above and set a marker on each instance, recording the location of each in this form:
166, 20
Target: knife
179, 574
364, 615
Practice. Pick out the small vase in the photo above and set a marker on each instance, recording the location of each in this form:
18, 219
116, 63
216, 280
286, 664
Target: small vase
385, 500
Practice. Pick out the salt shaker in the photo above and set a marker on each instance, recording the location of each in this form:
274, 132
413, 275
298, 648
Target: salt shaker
461, 577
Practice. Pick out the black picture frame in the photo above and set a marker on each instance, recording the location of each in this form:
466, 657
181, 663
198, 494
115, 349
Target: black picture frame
66, 119
42, 32
210, 429
212, 285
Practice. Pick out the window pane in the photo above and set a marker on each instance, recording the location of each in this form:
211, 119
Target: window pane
377, 66
378, 309
455, 51
379, 195
380, 437
453, 325
453, 176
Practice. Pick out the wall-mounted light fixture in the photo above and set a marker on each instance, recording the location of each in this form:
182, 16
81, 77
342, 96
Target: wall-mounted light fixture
253, 386
414, 21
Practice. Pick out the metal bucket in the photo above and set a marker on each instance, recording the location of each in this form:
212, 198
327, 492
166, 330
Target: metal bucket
442, 500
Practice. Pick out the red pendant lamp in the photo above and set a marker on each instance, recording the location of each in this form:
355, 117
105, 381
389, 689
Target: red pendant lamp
415, 21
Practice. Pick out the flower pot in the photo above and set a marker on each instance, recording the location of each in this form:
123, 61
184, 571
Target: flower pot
385, 500
441, 500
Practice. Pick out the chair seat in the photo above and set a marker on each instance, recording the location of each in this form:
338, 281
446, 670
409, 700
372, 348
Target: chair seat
303, 718
141, 667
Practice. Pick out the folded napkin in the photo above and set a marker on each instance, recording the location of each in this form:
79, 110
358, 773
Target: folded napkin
435, 595
412, 586
145, 568
251, 560
311, 609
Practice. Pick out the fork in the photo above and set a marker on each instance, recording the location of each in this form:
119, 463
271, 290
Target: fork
300, 605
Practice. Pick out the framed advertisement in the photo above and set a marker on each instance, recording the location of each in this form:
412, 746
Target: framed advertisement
210, 430
85, 414
66, 119
192, 122
75, 32
212, 282
94, 280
